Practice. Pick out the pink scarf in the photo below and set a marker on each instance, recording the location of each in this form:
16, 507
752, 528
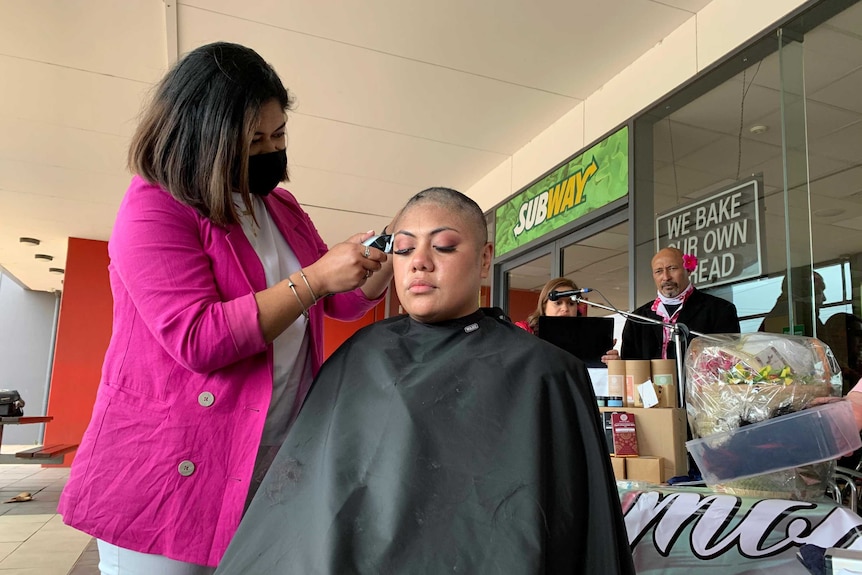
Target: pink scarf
661, 311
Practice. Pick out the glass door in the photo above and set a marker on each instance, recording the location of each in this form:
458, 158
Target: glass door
523, 280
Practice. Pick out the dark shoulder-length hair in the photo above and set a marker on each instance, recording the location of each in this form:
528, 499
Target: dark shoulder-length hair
194, 137
553, 285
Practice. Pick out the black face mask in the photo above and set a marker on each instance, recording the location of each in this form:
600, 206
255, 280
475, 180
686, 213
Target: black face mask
265, 171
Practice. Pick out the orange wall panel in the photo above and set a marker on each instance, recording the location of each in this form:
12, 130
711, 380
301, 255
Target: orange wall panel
83, 333
337, 332
522, 303
484, 296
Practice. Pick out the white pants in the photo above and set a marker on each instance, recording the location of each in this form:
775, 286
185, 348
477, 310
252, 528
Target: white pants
115, 560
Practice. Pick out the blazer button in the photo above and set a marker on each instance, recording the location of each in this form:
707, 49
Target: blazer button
186, 468
206, 399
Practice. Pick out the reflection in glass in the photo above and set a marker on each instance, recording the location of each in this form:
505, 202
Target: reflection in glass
812, 193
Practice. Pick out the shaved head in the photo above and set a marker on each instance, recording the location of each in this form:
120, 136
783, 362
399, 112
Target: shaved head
672, 253
454, 201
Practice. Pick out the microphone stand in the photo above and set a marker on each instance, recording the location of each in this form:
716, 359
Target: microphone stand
677, 331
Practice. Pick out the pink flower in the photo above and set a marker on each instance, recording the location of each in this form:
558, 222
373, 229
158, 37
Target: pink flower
689, 262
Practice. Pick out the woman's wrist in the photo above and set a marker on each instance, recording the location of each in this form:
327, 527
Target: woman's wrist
308, 285
311, 288
302, 306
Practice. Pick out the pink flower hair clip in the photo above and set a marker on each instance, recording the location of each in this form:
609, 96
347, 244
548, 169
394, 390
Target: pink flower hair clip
689, 262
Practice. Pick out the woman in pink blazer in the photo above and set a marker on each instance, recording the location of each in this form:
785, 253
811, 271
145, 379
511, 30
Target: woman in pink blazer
220, 284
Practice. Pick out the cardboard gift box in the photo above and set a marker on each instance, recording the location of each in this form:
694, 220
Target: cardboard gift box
617, 381
664, 378
637, 372
644, 468
619, 465
661, 433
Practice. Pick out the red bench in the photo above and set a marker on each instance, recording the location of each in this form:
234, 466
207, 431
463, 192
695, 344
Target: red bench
43, 454
47, 451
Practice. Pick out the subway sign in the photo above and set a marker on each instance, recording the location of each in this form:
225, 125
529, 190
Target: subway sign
583, 184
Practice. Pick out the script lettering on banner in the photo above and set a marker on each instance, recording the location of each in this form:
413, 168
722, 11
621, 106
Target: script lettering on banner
667, 530
723, 230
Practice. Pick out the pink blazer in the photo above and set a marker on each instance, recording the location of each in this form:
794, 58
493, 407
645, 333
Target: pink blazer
165, 464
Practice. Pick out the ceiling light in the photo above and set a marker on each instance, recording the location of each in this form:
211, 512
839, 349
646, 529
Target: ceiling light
829, 212
45, 257
758, 129
31, 241
57, 270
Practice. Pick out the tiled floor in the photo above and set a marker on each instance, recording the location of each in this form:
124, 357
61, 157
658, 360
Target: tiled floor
33, 538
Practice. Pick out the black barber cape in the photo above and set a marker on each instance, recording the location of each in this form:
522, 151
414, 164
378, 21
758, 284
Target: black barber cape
469, 446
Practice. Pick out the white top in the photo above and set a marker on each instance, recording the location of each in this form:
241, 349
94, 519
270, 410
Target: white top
291, 357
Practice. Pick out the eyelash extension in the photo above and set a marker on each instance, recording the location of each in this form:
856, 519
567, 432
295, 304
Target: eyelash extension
444, 249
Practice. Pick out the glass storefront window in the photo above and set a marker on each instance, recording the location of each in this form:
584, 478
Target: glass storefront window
731, 133
784, 111
600, 262
525, 282
595, 260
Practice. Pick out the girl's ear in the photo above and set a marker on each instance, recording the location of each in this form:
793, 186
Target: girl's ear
487, 256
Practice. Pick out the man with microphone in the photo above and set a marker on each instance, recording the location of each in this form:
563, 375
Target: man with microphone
678, 301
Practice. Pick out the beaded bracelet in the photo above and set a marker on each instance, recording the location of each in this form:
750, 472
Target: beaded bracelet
308, 285
302, 305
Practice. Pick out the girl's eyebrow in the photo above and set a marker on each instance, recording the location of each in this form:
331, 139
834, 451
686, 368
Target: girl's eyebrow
283, 124
433, 232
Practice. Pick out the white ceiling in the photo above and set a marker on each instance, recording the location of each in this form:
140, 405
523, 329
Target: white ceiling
393, 96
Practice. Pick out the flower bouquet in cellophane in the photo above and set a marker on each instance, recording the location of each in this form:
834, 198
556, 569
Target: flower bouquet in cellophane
734, 380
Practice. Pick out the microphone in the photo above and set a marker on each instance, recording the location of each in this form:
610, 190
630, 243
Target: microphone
555, 295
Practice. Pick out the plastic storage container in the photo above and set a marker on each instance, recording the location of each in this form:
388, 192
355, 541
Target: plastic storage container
806, 437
